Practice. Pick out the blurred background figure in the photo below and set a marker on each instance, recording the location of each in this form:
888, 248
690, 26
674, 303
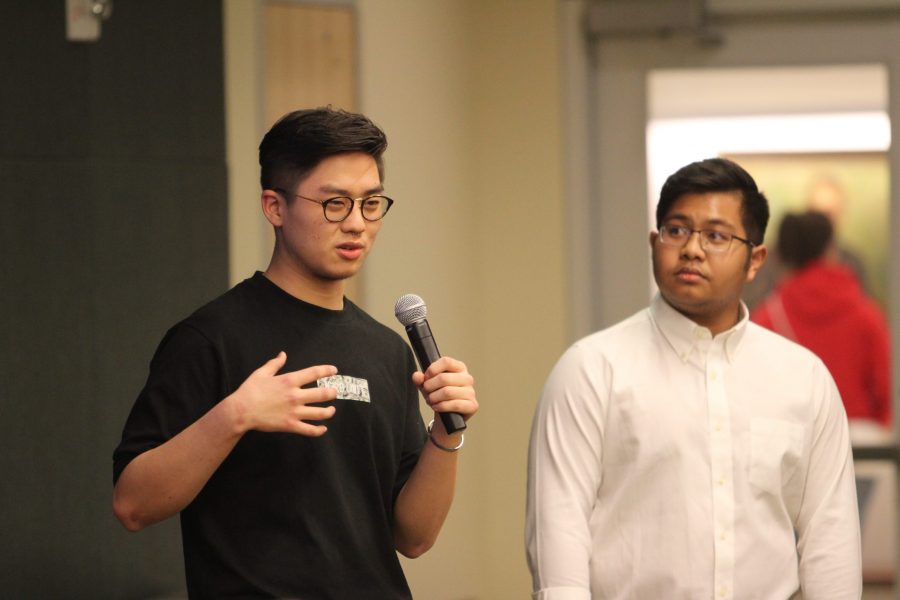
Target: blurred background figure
820, 304
828, 197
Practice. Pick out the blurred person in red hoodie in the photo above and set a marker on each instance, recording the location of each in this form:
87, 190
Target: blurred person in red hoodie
820, 304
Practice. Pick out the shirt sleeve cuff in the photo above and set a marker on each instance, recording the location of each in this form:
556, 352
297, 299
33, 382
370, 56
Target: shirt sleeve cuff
562, 593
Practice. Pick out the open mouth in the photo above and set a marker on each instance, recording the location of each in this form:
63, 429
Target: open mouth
350, 251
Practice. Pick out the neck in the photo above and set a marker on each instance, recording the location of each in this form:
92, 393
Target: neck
327, 294
721, 324
717, 322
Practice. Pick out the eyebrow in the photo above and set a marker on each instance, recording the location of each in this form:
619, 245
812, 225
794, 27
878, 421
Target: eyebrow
337, 191
680, 217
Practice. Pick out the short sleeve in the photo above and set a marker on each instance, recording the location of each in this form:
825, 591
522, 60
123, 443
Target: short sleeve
184, 382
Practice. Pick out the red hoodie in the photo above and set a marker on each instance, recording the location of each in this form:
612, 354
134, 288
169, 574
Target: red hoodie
823, 308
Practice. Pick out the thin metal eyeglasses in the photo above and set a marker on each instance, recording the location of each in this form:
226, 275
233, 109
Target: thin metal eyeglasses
711, 240
372, 208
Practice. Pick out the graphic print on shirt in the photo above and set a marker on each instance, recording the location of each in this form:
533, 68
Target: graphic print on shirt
348, 388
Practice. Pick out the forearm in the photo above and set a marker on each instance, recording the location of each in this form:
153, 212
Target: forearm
424, 502
558, 540
830, 549
161, 482
565, 472
828, 536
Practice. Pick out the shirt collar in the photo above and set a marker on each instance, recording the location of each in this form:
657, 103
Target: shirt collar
685, 337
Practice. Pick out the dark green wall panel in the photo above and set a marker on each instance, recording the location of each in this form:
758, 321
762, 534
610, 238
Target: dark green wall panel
113, 225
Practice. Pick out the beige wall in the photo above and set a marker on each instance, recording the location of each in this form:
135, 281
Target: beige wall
249, 236
416, 84
468, 93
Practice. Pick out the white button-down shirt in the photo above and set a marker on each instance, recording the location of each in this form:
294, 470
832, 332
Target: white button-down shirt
668, 463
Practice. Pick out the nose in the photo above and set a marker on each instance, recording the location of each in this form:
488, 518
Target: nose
354, 221
693, 247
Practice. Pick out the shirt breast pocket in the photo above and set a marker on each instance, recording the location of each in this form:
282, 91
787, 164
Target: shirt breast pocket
775, 450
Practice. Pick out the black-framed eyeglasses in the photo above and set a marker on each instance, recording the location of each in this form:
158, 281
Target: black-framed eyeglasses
711, 240
373, 208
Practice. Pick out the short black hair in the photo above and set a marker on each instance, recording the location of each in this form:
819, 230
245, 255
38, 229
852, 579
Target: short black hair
300, 140
803, 237
718, 175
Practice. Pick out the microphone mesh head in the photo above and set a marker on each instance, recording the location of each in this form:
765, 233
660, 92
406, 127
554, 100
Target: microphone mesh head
410, 309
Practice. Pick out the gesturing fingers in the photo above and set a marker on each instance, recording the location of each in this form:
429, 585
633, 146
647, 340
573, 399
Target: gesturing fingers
311, 413
308, 375
316, 395
270, 402
305, 397
272, 366
298, 405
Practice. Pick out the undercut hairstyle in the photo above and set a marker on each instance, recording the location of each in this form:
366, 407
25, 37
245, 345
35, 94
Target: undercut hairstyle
803, 238
300, 140
718, 175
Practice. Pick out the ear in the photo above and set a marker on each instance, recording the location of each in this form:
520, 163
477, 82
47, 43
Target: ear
757, 257
273, 207
653, 236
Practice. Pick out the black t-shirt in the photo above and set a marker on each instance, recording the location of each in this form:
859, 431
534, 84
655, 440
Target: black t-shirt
288, 516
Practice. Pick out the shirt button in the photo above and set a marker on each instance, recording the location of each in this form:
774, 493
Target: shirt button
718, 427
723, 592
722, 481
713, 375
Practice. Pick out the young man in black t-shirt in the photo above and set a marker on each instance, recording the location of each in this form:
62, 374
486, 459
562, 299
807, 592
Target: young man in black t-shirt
280, 420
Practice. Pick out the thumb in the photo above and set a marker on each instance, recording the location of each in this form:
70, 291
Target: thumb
272, 366
418, 379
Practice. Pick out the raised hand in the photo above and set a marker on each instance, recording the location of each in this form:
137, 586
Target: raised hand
267, 401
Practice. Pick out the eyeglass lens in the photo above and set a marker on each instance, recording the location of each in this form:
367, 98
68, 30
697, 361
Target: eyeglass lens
716, 241
373, 208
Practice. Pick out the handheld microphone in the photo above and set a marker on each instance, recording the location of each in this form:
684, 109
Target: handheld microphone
410, 311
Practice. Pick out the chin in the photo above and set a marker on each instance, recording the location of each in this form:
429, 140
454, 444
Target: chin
338, 275
684, 303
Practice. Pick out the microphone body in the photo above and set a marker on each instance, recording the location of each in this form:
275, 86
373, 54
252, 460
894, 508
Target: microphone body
425, 348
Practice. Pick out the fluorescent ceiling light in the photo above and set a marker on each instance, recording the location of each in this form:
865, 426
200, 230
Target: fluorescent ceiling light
673, 143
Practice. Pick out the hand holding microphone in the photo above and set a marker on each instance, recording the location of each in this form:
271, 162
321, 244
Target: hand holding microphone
410, 310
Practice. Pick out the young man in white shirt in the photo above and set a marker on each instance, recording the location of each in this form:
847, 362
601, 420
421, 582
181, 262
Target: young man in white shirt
686, 452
